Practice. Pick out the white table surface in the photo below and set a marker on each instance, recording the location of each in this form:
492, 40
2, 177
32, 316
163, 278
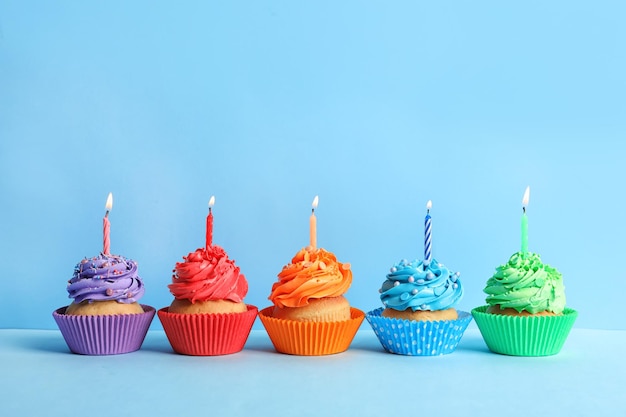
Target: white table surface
40, 377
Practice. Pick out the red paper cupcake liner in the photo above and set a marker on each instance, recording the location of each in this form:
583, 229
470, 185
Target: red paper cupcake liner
207, 334
311, 338
418, 338
104, 334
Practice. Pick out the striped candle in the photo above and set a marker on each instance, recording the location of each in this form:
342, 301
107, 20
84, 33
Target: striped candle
106, 227
428, 234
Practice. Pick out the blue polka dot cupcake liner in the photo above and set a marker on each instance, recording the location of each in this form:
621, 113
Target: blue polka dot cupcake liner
418, 338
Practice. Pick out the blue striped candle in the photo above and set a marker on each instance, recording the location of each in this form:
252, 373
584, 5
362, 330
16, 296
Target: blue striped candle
428, 234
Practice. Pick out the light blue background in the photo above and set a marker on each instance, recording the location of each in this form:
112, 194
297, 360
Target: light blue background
376, 107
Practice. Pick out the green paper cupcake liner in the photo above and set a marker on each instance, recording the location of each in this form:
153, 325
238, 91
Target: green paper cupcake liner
524, 335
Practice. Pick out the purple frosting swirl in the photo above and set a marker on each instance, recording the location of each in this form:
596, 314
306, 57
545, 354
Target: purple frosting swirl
106, 277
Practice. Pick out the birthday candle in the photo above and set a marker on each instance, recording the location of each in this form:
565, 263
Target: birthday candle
209, 224
106, 226
313, 225
428, 234
525, 221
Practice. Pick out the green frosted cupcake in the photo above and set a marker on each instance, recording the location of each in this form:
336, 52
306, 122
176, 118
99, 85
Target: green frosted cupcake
526, 313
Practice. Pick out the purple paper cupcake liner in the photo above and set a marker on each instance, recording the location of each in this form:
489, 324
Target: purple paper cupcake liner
418, 338
104, 334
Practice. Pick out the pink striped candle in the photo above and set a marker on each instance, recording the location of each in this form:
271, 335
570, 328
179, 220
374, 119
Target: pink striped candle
106, 227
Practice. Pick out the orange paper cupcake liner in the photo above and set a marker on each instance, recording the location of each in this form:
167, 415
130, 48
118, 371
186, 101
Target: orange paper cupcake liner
207, 334
311, 338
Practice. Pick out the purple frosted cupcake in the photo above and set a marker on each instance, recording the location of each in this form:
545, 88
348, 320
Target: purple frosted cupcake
419, 318
105, 317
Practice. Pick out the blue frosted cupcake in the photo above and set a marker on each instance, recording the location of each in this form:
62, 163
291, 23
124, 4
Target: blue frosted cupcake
418, 317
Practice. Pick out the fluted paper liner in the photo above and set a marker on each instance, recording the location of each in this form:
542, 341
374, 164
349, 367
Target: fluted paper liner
524, 335
418, 338
311, 338
207, 334
104, 334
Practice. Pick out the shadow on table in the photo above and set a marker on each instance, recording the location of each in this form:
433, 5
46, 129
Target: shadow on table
52, 341
44, 342
367, 344
473, 344
155, 342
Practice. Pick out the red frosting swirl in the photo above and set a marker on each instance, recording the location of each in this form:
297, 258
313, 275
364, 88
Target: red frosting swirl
208, 274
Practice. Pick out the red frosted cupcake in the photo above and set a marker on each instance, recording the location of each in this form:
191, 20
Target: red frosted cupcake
208, 315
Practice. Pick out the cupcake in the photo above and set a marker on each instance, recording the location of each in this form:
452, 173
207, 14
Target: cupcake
208, 315
525, 313
310, 314
105, 317
419, 316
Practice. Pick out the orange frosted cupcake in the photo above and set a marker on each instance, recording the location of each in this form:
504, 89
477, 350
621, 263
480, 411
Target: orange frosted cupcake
310, 314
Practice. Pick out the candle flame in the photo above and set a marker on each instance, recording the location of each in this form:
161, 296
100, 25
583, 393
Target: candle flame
211, 201
315, 201
526, 197
109, 203
429, 205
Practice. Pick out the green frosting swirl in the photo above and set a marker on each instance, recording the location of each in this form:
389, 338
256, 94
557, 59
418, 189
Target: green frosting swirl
525, 283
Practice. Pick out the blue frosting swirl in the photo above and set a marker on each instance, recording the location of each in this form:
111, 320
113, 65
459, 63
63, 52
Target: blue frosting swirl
421, 287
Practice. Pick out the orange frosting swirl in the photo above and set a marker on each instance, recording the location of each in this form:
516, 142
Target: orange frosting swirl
311, 274
208, 274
